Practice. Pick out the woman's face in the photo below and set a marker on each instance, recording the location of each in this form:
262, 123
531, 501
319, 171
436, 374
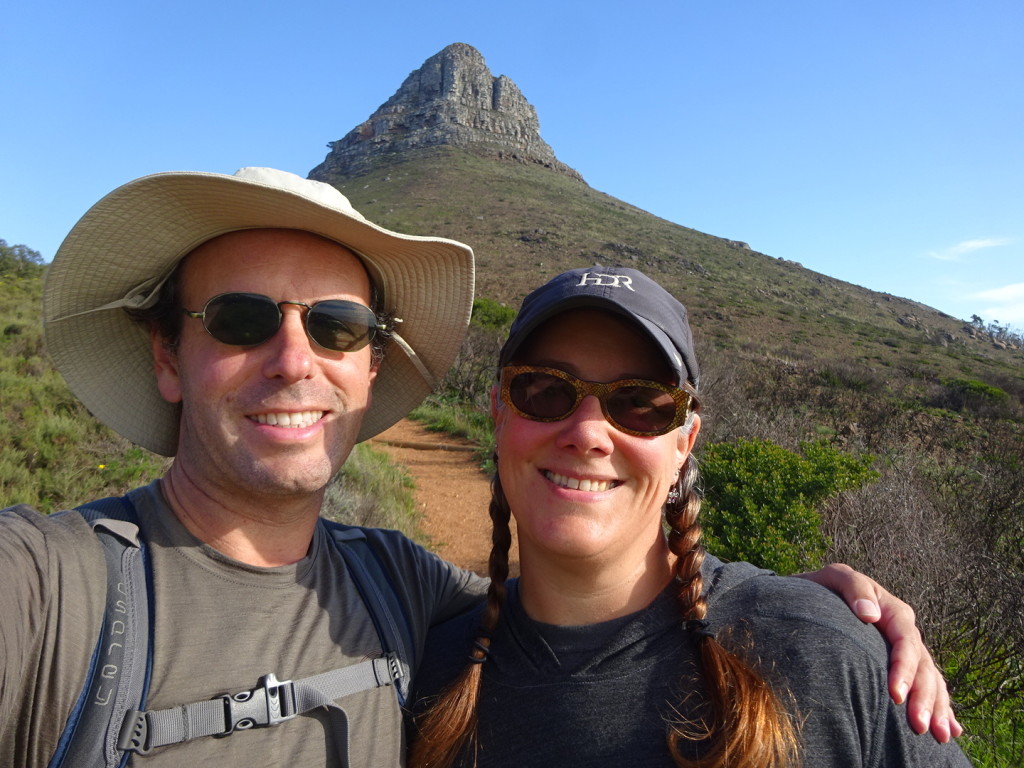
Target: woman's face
544, 465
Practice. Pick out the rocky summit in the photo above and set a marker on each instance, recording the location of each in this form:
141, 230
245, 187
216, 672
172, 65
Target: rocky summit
452, 100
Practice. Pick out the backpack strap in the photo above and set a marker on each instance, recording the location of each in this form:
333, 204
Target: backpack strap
380, 597
270, 703
118, 675
273, 701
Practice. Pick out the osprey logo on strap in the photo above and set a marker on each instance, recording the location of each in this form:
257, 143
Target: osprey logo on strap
606, 281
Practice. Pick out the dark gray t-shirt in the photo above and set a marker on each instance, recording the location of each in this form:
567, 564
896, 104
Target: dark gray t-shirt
601, 695
219, 626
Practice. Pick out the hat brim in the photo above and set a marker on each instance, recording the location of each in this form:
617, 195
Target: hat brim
141, 230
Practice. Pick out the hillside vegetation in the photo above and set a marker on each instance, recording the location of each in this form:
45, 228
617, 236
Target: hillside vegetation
527, 224
847, 424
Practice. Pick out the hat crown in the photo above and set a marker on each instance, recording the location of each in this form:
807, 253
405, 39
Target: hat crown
619, 282
316, 191
623, 290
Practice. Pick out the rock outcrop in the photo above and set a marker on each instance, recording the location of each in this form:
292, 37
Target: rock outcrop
453, 99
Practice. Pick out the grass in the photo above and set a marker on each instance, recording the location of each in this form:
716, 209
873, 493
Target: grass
54, 454
461, 420
528, 223
372, 490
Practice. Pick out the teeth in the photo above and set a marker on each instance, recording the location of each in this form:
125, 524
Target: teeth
590, 486
289, 420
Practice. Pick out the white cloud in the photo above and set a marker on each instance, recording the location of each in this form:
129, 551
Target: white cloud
1007, 293
1007, 304
954, 253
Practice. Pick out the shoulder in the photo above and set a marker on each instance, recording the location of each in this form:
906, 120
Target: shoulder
781, 598
23, 514
393, 549
446, 654
54, 588
836, 668
401, 554
833, 667
27, 535
792, 612
40, 554
434, 589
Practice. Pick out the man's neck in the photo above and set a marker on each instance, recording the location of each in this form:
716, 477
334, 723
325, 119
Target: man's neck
258, 529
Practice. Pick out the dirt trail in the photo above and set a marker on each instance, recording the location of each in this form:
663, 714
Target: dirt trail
452, 493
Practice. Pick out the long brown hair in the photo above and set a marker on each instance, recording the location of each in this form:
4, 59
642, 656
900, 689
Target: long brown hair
450, 724
747, 726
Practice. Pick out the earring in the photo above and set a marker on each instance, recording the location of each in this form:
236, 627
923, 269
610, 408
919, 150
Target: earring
673, 492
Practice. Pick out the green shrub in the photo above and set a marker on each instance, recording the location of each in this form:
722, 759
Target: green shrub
488, 313
966, 391
19, 261
969, 396
760, 499
994, 731
459, 419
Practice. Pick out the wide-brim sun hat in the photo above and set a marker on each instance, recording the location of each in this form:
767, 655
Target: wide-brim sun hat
122, 250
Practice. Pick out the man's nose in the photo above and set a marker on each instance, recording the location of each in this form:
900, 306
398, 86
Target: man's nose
290, 354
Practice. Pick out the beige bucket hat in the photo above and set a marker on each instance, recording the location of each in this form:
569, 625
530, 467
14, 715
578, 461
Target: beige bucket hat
119, 254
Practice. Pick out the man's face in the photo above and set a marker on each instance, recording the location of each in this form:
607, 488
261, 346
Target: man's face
280, 417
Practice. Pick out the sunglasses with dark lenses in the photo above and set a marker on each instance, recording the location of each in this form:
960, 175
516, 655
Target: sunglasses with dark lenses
634, 406
247, 319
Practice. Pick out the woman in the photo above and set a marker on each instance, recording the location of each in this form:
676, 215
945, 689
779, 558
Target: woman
620, 645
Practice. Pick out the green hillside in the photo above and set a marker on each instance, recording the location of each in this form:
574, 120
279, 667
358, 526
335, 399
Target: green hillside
52, 451
527, 223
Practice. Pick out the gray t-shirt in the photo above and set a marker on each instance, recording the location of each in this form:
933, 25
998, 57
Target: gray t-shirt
601, 695
219, 625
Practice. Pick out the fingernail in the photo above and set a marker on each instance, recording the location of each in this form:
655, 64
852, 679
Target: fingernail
926, 718
902, 689
944, 730
956, 730
866, 608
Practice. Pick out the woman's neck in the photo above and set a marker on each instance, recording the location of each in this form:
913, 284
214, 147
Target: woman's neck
571, 592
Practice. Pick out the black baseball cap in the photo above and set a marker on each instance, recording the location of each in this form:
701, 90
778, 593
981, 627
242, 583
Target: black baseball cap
624, 291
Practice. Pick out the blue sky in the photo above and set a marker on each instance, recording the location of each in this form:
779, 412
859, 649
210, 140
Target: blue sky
880, 143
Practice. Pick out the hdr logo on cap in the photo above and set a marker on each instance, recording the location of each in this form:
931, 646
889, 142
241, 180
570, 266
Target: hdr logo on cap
606, 281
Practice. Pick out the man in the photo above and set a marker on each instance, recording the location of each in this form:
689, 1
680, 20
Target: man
239, 324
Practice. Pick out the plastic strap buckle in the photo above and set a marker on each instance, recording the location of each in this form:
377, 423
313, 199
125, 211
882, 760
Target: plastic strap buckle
395, 667
134, 735
271, 703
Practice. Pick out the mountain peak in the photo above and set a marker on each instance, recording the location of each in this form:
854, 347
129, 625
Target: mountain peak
454, 100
